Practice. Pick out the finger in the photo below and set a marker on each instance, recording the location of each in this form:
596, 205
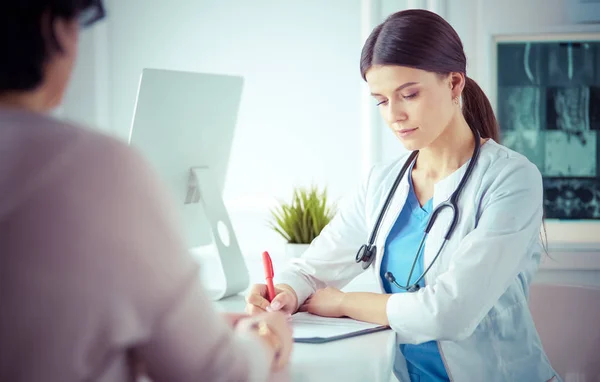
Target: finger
303, 308
285, 354
283, 301
234, 318
286, 337
305, 305
253, 310
289, 348
257, 300
260, 289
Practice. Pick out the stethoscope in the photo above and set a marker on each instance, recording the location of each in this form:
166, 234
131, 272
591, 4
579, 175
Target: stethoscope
366, 253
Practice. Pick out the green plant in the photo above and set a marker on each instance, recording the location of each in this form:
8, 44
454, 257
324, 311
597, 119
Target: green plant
303, 219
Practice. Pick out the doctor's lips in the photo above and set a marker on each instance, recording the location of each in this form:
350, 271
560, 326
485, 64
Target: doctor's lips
405, 132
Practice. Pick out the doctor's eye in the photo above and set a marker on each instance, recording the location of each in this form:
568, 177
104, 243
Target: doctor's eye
411, 96
381, 102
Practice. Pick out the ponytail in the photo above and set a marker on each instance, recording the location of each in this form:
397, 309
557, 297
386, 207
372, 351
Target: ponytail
479, 115
478, 111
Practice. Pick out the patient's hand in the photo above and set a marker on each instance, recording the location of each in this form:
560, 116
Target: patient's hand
233, 318
325, 302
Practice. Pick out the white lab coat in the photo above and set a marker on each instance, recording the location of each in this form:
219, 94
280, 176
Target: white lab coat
475, 301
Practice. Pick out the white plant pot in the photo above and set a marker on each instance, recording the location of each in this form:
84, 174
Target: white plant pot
295, 250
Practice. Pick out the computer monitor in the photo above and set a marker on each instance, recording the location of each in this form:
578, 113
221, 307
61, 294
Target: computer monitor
183, 124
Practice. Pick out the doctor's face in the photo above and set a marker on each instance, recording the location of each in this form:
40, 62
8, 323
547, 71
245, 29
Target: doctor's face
417, 105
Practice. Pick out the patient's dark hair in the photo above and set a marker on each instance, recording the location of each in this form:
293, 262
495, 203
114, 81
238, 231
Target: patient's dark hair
423, 40
27, 39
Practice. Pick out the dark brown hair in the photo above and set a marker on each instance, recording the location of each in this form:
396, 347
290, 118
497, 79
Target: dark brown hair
423, 40
24, 43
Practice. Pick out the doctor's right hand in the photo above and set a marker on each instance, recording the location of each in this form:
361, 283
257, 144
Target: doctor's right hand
285, 300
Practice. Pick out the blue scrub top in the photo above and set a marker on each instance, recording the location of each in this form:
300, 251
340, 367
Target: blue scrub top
424, 361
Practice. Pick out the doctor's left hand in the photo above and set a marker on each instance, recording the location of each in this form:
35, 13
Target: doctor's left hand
327, 302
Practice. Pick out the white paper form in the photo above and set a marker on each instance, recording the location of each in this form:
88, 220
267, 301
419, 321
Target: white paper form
306, 325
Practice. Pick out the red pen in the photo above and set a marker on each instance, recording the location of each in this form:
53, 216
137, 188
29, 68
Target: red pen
269, 274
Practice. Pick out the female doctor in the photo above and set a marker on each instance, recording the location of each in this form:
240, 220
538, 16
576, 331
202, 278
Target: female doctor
458, 303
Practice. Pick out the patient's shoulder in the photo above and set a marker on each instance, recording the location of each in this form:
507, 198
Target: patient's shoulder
39, 152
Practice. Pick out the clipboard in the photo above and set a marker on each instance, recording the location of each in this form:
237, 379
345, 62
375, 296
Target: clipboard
312, 329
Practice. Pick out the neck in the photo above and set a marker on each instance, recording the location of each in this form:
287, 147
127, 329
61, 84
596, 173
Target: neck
34, 101
452, 149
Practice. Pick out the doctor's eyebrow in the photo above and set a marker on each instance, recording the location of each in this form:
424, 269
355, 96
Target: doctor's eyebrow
398, 88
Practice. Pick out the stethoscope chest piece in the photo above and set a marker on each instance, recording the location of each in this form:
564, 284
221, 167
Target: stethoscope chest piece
366, 255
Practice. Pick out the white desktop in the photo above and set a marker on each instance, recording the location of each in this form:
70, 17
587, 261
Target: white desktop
183, 124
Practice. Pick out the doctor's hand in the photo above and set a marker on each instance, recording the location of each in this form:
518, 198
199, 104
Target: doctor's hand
285, 300
327, 302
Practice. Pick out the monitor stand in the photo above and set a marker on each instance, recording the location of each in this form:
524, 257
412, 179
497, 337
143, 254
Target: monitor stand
232, 270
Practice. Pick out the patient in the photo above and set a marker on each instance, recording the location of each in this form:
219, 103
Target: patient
95, 281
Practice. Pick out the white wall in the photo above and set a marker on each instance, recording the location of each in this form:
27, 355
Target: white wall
299, 121
304, 116
87, 98
299, 118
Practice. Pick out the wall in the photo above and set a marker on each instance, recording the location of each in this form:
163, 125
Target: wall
87, 98
305, 116
299, 121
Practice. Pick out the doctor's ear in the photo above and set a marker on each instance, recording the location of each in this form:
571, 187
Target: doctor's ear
456, 82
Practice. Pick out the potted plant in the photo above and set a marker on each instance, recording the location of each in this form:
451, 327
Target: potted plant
301, 220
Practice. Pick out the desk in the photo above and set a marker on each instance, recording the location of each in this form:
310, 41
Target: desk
358, 359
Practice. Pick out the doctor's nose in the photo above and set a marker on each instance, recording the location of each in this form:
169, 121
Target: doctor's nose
395, 112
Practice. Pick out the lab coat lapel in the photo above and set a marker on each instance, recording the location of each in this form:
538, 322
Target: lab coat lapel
388, 221
441, 193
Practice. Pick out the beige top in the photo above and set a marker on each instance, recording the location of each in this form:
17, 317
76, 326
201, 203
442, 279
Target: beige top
93, 272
